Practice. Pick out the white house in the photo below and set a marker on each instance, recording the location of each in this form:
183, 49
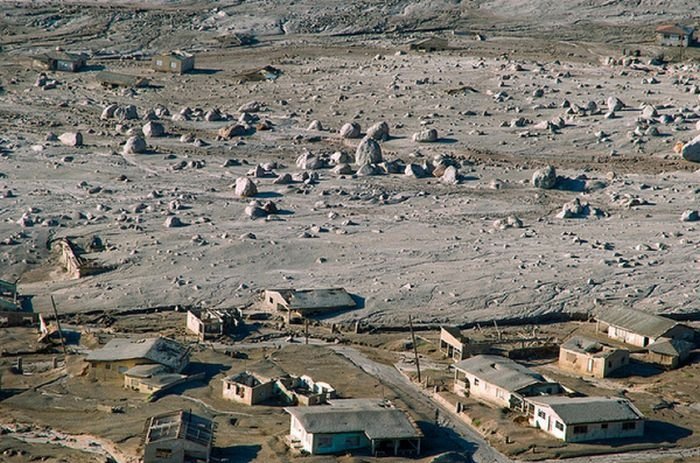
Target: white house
353, 424
580, 419
500, 381
674, 35
639, 328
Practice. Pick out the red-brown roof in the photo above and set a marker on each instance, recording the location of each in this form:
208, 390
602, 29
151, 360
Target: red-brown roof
675, 29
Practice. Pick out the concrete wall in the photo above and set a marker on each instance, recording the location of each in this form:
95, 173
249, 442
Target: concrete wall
170, 451
335, 443
114, 371
588, 365
273, 300
628, 337
166, 63
248, 395
672, 40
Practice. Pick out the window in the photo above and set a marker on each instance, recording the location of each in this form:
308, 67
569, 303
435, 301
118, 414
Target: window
604, 426
580, 429
163, 453
108, 366
159, 62
173, 65
476, 381
629, 426
324, 441
559, 425
541, 414
351, 442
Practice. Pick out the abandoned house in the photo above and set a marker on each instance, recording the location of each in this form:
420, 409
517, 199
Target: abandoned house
588, 357
177, 62
151, 378
500, 381
307, 301
111, 79
268, 382
120, 355
72, 260
354, 424
178, 437
669, 353
452, 343
59, 60
674, 35
580, 419
209, 324
429, 45
639, 328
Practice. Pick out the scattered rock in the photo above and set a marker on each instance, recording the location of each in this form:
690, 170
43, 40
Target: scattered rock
173, 222
135, 145
690, 216
368, 152
545, 178
153, 129
426, 136
691, 150
73, 139
509, 222
379, 131
350, 130
245, 187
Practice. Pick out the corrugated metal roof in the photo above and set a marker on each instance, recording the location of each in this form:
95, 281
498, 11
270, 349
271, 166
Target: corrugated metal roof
503, 372
583, 410
676, 29
636, 321
180, 425
374, 417
158, 350
671, 347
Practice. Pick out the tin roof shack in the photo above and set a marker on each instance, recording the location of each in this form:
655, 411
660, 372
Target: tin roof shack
452, 343
111, 79
430, 44
212, 323
674, 35
581, 419
178, 437
59, 60
588, 357
308, 301
639, 328
120, 355
354, 424
500, 381
152, 379
177, 62
669, 353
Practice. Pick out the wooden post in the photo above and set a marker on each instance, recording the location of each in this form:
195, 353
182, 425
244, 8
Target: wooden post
498, 331
415, 347
306, 331
58, 325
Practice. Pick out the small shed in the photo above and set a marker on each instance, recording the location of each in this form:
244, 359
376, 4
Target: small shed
59, 60
640, 329
178, 62
675, 35
308, 301
114, 79
178, 437
430, 44
588, 357
669, 353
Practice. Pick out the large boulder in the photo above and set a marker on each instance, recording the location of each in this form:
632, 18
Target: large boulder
73, 139
350, 130
545, 178
614, 104
368, 152
245, 187
691, 150
426, 136
108, 112
231, 131
153, 129
379, 131
135, 145
450, 176
415, 171
127, 112
690, 215
308, 161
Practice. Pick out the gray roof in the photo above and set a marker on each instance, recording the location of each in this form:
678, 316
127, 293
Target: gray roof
376, 418
6, 286
671, 347
60, 55
588, 346
582, 410
315, 299
180, 425
501, 371
8, 306
158, 350
116, 78
636, 321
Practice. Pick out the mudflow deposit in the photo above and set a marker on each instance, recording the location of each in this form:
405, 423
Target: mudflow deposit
532, 168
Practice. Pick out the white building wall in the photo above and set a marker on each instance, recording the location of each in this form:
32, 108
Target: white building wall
546, 420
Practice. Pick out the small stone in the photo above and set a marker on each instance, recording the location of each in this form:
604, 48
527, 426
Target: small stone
73, 139
426, 136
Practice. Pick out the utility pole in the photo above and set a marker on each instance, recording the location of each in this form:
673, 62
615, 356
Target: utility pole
415, 347
60, 331
306, 331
